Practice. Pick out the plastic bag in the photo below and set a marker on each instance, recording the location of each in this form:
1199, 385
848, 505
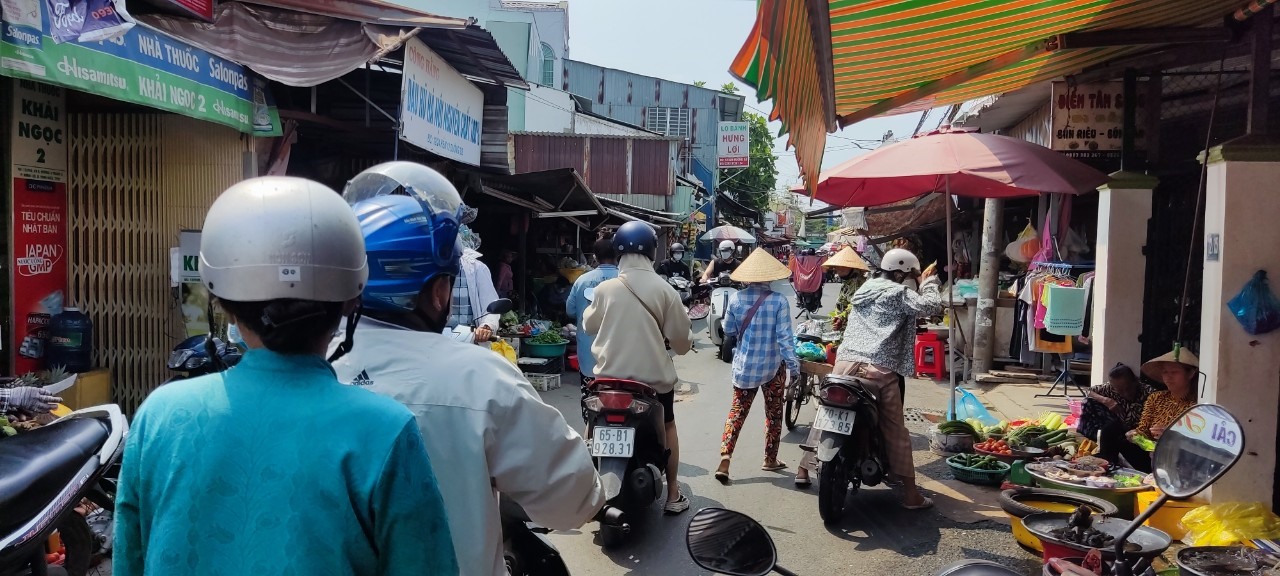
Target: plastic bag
505, 349
811, 351
1255, 306
1229, 524
1025, 246
968, 406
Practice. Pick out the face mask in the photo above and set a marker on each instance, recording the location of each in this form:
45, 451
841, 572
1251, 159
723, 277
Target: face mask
233, 334
677, 256
726, 254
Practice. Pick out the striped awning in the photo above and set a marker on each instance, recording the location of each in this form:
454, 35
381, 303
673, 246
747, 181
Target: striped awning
830, 63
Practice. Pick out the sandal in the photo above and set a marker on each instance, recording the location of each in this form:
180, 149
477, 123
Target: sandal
680, 505
803, 482
924, 505
776, 466
722, 473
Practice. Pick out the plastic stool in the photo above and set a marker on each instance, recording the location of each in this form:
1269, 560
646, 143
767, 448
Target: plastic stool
938, 366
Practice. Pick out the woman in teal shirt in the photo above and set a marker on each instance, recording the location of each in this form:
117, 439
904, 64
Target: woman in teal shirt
273, 466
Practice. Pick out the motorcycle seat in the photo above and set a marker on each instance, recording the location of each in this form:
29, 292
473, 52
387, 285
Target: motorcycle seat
624, 385
38, 464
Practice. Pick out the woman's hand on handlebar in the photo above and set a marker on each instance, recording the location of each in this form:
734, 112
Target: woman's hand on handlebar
483, 333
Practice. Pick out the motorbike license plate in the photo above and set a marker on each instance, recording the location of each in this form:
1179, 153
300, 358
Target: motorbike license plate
835, 420
613, 442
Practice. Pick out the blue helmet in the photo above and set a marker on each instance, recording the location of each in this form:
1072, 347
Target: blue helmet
409, 216
636, 238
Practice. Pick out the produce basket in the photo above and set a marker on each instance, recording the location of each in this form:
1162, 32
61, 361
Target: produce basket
950, 442
544, 350
543, 382
976, 476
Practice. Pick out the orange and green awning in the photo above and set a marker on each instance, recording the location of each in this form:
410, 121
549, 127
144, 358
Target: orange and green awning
830, 63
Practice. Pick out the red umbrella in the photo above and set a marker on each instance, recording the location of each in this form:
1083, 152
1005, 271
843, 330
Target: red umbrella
960, 163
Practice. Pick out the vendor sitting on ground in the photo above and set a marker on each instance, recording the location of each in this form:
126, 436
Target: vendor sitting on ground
1178, 370
1116, 404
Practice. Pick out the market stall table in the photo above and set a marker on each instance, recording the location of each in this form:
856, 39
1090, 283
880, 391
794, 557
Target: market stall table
1125, 498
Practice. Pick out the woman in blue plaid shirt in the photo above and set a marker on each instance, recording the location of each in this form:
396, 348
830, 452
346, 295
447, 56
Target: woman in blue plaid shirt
765, 355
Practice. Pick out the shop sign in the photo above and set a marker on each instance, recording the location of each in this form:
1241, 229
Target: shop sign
202, 9
1088, 119
39, 132
189, 253
733, 149
139, 66
38, 221
440, 110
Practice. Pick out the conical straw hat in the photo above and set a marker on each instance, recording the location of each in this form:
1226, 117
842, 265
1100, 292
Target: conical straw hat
847, 257
760, 267
1153, 368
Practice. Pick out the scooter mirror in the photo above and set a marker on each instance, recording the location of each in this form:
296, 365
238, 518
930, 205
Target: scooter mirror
1197, 449
499, 306
728, 542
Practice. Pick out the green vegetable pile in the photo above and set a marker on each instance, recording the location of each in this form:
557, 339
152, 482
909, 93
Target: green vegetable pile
549, 337
1037, 437
5, 428
978, 462
1143, 442
959, 427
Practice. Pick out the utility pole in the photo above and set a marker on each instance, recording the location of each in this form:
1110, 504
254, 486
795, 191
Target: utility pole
984, 331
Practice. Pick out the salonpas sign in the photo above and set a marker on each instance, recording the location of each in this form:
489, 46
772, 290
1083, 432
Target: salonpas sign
440, 111
140, 66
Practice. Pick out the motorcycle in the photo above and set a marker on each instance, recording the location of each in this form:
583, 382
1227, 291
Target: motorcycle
699, 304
525, 547
695, 309
808, 302
723, 289
1201, 445
48, 471
629, 447
851, 451
190, 358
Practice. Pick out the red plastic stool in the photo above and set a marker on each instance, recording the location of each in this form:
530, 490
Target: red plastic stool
937, 366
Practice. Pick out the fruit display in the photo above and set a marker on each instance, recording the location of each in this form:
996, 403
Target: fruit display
995, 447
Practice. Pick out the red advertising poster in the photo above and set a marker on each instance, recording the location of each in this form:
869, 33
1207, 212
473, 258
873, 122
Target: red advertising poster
39, 267
202, 9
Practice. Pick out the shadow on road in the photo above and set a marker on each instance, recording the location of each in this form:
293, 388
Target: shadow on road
654, 536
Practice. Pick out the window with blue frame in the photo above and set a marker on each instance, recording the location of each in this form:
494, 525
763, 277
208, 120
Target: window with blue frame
548, 65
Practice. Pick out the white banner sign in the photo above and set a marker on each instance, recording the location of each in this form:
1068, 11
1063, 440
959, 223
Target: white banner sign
39, 132
189, 253
1088, 119
440, 111
733, 148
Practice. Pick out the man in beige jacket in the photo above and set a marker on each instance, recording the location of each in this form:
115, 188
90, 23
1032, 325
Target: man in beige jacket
635, 318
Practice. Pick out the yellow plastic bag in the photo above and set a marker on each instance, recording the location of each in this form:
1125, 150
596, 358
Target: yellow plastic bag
1229, 524
505, 349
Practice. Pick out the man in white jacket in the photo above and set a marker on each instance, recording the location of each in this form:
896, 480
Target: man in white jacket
485, 428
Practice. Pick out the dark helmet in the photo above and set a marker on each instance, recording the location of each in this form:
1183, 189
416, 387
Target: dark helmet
636, 238
809, 252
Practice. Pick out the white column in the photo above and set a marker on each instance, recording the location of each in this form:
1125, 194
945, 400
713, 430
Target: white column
1124, 207
1242, 370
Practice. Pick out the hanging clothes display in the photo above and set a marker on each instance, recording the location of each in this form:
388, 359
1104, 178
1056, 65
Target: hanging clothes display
1065, 311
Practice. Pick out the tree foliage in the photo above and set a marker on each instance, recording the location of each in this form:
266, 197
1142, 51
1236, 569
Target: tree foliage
754, 186
729, 88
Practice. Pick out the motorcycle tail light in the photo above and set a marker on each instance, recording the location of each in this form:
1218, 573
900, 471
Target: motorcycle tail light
639, 407
593, 403
615, 418
614, 400
837, 396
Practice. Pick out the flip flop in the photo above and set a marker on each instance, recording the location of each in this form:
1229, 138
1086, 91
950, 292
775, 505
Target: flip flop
778, 465
803, 482
928, 503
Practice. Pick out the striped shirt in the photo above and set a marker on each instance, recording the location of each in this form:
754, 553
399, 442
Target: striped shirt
768, 342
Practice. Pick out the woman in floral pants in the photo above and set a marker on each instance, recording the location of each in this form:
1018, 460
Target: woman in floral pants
761, 320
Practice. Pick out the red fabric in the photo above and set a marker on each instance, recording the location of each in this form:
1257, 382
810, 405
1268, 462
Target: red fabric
806, 273
967, 164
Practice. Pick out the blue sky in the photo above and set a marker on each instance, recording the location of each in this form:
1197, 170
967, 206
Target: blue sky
691, 40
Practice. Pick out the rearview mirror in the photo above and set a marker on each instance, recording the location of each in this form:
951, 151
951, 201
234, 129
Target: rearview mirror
1197, 449
728, 542
499, 306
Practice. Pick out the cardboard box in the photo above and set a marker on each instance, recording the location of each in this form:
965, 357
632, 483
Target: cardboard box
92, 388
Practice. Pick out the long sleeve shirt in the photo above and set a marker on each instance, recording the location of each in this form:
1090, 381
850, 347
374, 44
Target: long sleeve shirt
881, 328
767, 343
630, 341
274, 467
1160, 410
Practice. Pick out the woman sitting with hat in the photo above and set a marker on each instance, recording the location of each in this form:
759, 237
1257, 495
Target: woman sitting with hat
766, 354
852, 270
1178, 370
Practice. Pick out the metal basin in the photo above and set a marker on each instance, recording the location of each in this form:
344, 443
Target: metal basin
1146, 542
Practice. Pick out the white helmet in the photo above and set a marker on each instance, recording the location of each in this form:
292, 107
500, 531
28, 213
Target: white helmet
899, 260
282, 237
725, 246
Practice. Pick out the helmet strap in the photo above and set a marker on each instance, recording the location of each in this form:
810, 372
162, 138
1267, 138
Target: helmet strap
209, 347
349, 341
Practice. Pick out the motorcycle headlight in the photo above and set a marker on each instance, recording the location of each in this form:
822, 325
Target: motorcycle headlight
178, 358
195, 362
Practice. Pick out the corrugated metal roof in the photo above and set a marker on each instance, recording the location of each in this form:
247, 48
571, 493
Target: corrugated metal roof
646, 201
609, 165
600, 136
368, 11
474, 53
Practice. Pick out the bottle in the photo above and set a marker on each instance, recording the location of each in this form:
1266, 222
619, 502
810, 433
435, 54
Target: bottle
71, 341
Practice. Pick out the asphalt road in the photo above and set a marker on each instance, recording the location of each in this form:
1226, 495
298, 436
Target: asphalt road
877, 535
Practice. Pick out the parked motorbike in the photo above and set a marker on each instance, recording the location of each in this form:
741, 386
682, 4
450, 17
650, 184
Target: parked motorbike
629, 446
699, 304
47, 472
525, 548
808, 302
723, 289
190, 358
685, 288
851, 451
